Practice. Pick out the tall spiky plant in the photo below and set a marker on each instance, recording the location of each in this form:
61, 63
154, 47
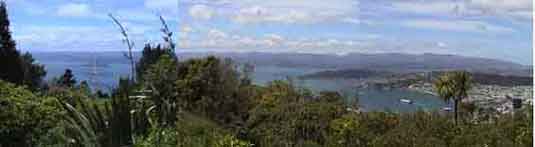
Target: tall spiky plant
167, 35
91, 125
130, 44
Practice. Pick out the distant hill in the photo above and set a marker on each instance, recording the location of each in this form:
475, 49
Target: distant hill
502, 80
346, 74
391, 62
388, 62
479, 78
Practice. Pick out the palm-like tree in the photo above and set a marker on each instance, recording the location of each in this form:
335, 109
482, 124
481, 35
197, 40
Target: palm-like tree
454, 86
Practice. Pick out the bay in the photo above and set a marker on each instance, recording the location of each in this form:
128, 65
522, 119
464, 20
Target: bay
104, 71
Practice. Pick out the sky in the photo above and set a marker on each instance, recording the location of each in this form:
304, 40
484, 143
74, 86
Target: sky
500, 29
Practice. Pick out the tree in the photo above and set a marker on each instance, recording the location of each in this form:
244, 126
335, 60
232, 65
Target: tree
16, 68
33, 72
67, 79
151, 55
10, 61
160, 80
208, 86
453, 86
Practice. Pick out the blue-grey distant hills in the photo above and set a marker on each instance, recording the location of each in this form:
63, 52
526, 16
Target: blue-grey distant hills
390, 62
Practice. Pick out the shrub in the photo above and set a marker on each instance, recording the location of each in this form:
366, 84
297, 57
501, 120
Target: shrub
25, 116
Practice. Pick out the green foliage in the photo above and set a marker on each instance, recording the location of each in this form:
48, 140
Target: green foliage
454, 86
92, 125
231, 141
195, 131
151, 55
163, 95
33, 72
213, 87
432, 129
285, 115
191, 131
84, 88
25, 116
158, 137
67, 79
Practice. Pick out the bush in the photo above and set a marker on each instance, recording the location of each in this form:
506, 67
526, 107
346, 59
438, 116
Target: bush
214, 88
25, 116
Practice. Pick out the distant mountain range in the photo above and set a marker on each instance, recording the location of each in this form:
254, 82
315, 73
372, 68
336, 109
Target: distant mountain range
346, 74
388, 62
480, 78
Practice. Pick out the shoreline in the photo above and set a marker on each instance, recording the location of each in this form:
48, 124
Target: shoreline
489, 96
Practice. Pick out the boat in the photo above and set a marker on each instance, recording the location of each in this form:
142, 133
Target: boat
407, 101
448, 109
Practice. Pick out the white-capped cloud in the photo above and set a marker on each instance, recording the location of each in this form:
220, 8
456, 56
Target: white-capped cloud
271, 42
517, 9
201, 12
428, 7
514, 8
258, 14
458, 26
74, 10
77, 38
501, 5
217, 34
289, 11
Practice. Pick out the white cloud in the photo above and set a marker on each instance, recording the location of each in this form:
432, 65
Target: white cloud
518, 9
273, 40
221, 41
77, 38
258, 14
184, 32
218, 39
162, 4
515, 8
428, 7
457, 25
74, 10
501, 5
291, 11
352, 20
201, 12
441, 44
217, 34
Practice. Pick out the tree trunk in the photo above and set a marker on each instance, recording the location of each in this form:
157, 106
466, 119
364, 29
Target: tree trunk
456, 110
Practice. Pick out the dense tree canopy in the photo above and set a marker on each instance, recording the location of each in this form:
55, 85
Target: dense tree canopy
24, 116
149, 56
67, 79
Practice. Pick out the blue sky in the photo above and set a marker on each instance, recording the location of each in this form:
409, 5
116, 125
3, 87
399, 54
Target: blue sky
500, 29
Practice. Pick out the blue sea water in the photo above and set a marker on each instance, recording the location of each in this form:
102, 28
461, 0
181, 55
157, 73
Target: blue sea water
111, 66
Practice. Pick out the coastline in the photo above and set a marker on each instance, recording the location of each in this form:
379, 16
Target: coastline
489, 96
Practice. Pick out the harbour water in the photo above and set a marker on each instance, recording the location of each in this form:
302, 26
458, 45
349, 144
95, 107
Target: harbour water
105, 74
